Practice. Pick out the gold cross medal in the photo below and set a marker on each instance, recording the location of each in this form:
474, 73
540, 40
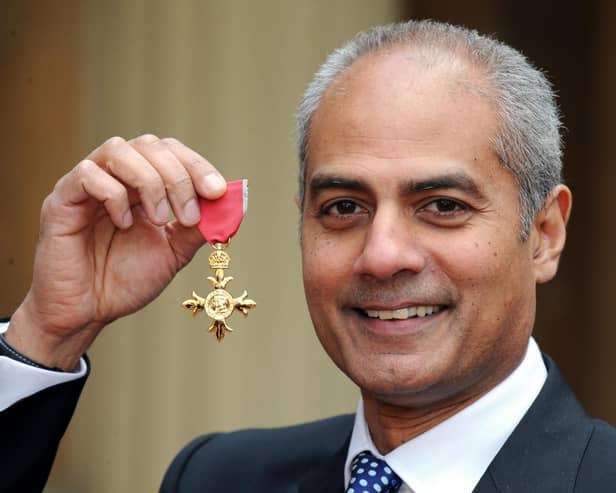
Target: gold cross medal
220, 220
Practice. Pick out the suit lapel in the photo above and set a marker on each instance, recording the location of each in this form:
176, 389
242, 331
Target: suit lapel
329, 476
542, 455
544, 452
486, 485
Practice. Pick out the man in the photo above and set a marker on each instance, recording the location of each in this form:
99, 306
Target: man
431, 205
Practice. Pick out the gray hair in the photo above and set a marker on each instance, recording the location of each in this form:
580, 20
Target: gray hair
527, 139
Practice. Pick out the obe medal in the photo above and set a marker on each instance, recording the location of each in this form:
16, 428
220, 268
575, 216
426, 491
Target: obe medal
220, 220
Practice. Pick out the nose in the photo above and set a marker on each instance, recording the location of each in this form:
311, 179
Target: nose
390, 246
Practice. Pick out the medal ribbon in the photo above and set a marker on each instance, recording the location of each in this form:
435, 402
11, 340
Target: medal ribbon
221, 218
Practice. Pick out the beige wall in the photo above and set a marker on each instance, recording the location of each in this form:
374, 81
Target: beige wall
224, 77
38, 127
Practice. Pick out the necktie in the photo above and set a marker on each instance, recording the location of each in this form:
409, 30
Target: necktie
372, 475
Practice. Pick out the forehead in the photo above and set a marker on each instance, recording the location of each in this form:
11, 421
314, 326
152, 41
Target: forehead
397, 108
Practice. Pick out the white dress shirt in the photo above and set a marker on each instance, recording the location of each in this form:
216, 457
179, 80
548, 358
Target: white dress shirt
454, 455
20, 380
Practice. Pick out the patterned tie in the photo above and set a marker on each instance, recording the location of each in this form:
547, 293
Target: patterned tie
372, 475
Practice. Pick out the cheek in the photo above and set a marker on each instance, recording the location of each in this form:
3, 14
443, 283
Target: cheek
495, 306
490, 274
322, 269
496, 289
323, 275
326, 257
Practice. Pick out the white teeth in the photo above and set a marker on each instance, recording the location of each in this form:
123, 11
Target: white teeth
404, 313
400, 314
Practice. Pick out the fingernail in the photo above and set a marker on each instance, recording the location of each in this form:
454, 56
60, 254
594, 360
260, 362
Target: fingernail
191, 212
214, 182
127, 219
162, 211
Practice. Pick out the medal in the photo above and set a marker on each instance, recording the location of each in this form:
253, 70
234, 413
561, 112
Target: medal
220, 220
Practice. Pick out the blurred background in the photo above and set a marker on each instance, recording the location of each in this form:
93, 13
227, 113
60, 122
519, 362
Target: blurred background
225, 77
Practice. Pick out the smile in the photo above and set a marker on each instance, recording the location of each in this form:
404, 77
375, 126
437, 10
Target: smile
404, 313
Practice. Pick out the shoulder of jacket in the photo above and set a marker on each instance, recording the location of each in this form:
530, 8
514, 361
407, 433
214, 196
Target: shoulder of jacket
259, 453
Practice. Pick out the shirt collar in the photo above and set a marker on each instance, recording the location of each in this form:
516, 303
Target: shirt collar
454, 455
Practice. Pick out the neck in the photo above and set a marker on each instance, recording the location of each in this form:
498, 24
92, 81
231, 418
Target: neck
392, 425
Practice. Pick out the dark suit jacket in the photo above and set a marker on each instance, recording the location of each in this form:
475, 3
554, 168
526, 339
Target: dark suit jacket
31, 430
556, 448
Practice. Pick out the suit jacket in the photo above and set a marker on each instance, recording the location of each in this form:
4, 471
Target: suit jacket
556, 448
30, 432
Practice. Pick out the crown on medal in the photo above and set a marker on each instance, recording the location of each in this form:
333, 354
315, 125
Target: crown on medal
219, 259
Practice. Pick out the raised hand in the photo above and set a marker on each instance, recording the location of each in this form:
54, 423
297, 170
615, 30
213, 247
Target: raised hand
106, 246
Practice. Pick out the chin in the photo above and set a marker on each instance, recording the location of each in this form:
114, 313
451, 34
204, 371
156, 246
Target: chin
414, 397
389, 382
405, 383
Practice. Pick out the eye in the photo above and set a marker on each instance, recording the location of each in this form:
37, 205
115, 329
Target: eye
445, 207
342, 214
445, 211
344, 207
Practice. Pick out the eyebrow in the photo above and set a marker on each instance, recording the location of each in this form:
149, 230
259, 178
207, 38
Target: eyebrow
457, 180
322, 182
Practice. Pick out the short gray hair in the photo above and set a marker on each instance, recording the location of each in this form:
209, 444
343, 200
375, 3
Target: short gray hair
527, 140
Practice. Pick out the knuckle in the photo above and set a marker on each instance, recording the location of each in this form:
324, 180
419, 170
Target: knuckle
113, 149
181, 183
161, 149
200, 165
84, 168
170, 141
114, 142
45, 215
208, 169
118, 195
146, 139
47, 204
152, 184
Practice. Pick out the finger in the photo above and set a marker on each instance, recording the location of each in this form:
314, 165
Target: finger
118, 157
177, 181
86, 181
208, 182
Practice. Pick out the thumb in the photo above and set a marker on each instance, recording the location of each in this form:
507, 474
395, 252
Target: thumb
184, 241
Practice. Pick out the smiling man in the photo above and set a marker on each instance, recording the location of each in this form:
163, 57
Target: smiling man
419, 278
432, 206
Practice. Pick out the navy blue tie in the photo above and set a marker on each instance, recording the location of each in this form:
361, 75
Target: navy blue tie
372, 475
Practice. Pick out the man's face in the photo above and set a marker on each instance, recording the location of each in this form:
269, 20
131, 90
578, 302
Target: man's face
418, 284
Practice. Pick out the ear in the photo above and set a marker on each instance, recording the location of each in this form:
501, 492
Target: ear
296, 199
549, 233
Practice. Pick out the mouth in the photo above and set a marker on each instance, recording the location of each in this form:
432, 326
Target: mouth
403, 313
